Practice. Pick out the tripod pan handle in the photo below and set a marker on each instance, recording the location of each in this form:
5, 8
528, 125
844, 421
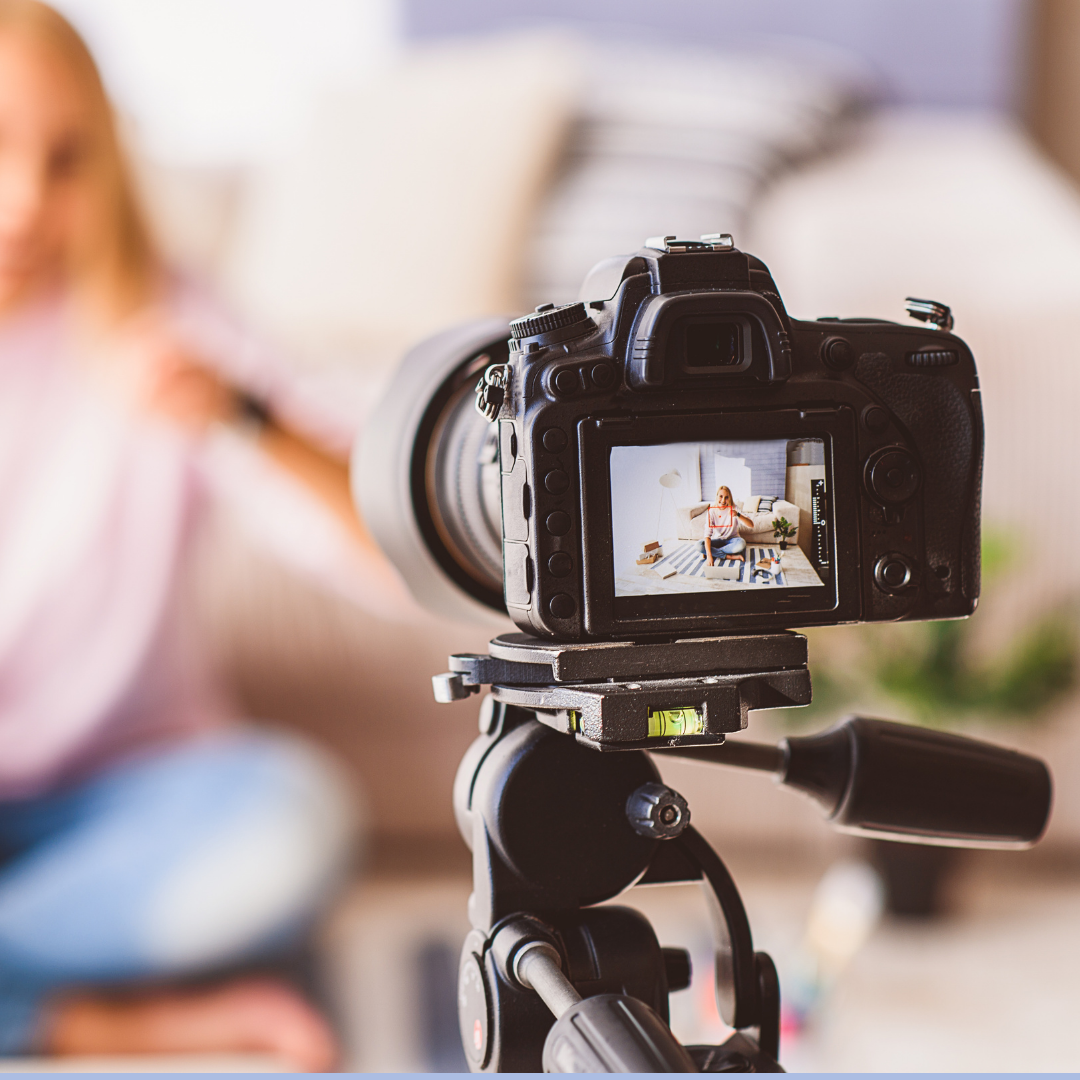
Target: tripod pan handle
904, 782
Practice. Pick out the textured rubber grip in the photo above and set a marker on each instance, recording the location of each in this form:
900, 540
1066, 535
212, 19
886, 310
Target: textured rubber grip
905, 782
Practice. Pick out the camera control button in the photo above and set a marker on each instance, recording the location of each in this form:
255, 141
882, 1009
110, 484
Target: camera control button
602, 375
562, 605
893, 573
560, 564
892, 476
554, 440
876, 419
558, 523
567, 381
837, 353
556, 481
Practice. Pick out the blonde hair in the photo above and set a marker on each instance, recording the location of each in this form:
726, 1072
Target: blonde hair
118, 264
724, 487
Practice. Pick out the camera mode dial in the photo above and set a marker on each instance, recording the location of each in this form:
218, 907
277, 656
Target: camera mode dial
553, 323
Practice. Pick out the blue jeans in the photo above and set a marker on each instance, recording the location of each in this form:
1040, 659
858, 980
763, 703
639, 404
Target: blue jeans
209, 853
721, 549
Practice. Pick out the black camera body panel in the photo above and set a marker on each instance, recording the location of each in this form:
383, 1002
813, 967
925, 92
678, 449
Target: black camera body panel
695, 345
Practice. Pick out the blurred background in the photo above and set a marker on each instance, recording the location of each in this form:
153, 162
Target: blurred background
352, 175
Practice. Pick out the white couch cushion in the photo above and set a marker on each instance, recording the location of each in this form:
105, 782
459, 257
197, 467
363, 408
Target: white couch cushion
407, 207
762, 532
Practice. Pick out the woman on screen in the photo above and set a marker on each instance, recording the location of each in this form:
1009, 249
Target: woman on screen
722, 539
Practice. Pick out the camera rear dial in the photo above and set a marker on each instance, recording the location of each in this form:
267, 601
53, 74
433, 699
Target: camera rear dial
892, 476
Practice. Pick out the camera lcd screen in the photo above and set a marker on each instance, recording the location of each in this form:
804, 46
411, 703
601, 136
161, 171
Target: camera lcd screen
713, 345
706, 517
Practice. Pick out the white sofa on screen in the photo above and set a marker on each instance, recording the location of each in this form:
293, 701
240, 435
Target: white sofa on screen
691, 522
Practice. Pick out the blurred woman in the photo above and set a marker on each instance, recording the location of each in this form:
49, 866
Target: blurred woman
144, 833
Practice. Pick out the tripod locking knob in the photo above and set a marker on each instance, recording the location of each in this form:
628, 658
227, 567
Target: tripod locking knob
657, 811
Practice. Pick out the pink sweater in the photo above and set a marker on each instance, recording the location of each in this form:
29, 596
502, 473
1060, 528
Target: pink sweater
97, 513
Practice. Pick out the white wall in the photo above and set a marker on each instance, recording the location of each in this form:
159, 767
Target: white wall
636, 495
228, 81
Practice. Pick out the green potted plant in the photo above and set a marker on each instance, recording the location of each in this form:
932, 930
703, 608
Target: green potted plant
783, 530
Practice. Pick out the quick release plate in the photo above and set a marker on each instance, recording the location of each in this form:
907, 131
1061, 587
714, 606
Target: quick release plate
628, 695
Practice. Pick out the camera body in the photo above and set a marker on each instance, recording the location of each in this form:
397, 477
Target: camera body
678, 457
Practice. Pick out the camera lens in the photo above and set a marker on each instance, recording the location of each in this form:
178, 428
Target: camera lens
426, 474
463, 481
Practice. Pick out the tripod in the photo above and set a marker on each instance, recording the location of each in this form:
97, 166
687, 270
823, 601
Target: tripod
549, 980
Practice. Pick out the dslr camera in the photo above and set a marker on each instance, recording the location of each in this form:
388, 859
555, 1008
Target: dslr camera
674, 456
656, 482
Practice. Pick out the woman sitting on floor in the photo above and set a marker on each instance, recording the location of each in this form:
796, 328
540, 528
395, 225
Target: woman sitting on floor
722, 539
151, 842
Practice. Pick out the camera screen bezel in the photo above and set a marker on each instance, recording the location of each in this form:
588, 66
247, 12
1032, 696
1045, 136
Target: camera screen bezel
836, 600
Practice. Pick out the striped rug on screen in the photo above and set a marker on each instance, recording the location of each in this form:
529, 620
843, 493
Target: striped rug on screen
689, 560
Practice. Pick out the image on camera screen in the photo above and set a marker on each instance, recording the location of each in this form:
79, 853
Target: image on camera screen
719, 516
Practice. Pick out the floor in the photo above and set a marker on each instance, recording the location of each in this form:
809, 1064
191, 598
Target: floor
994, 989
138, 1063
686, 559
991, 987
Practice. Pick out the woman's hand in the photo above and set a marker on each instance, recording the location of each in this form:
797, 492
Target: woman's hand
184, 391
157, 374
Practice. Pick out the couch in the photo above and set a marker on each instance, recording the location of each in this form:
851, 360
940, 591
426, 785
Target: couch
691, 522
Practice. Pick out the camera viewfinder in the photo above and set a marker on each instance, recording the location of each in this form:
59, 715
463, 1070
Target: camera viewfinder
713, 345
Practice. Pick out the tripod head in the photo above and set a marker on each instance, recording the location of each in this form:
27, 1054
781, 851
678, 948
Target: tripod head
871, 777
556, 827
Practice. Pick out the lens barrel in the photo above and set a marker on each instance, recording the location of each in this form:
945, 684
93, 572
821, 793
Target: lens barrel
425, 474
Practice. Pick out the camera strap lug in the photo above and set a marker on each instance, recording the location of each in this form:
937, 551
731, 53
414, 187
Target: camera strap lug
491, 391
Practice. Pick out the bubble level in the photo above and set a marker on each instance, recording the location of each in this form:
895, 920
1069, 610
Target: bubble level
685, 720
